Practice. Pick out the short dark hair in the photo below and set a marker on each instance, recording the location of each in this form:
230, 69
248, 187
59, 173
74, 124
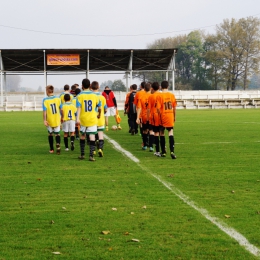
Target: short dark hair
107, 87
50, 88
142, 84
77, 91
165, 84
94, 85
155, 86
85, 83
134, 87
147, 87
73, 87
67, 97
66, 87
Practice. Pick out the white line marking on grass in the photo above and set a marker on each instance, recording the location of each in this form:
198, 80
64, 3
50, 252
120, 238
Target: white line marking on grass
220, 224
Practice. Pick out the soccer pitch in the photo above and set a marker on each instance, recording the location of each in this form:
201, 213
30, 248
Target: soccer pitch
130, 204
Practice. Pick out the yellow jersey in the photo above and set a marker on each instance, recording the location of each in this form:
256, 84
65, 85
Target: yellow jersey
69, 111
52, 105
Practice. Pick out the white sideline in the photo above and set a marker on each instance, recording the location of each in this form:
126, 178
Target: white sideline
221, 225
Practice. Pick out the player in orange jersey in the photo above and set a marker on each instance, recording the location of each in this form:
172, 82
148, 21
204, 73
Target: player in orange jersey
154, 119
166, 105
143, 119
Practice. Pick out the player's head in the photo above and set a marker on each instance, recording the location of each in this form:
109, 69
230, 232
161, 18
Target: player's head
85, 83
66, 87
77, 91
155, 86
147, 87
67, 97
142, 85
165, 84
134, 87
94, 85
77, 85
73, 87
107, 88
49, 89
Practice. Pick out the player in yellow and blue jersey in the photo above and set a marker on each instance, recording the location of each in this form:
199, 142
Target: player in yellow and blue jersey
68, 112
74, 101
66, 91
101, 119
87, 117
51, 117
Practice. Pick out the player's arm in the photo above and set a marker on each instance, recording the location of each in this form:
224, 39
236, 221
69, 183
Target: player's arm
45, 118
78, 113
62, 115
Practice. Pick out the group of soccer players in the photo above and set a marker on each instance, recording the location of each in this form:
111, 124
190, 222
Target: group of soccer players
86, 110
153, 108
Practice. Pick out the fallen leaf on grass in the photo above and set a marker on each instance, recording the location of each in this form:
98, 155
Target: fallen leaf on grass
84, 197
126, 233
135, 240
258, 212
105, 232
63, 208
132, 213
171, 175
52, 222
56, 253
227, 216
144, 207
115, 209
233, 191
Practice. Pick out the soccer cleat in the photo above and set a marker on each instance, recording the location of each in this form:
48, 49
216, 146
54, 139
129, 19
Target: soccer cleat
132, 132
51, 151
163, 155
82, 157
58, 148
72, 146
144, 147
173, 155
66, 149
106, 128
91, 158
100, 153
119, 127
151, 149
157, 154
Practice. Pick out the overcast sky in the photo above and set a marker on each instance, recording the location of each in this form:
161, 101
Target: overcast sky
108, 24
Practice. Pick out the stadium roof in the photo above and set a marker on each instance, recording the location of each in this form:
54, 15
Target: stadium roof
33, 61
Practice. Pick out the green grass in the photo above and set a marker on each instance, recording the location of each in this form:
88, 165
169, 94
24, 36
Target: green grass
53, 203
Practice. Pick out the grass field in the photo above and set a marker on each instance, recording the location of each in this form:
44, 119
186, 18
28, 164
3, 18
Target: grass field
56, 207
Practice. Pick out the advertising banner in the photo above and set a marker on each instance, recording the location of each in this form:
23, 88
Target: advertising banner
63, 59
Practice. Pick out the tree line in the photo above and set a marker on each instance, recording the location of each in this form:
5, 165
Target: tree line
227, 59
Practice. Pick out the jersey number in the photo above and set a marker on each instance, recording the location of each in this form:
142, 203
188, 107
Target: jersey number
53, 108
167, 105
70, 115
88, 105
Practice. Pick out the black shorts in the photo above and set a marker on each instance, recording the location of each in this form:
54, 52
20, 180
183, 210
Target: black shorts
156, 129
162, 128
146, 126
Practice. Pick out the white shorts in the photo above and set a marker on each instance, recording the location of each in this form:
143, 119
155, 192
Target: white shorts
111, 111
101, 128
55, 130
88, 129
68, 126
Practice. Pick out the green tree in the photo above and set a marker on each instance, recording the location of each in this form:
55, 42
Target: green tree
118, 85
108, 83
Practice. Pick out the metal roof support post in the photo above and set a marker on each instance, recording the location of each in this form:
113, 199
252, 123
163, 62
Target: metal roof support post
44, 71
126, 80
5, 90
173, 71
87, 72
130, 68
167, 75
1, 79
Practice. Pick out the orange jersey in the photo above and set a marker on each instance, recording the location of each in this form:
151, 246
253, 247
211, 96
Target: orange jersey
143, 104
154, 118
127, 101
166, 103
138, 96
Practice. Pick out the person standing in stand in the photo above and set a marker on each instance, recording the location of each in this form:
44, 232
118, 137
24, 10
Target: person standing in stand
111, 106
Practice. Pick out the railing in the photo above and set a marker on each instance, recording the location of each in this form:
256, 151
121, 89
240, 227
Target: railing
185, 99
